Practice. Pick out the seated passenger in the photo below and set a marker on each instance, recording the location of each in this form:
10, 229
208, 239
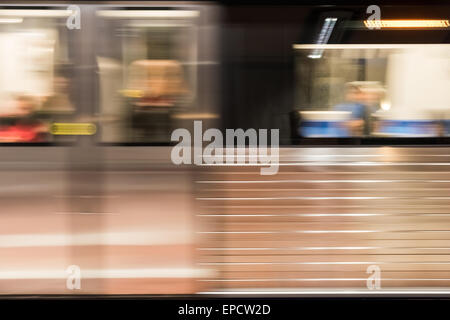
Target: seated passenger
155, 87
21, 125
159, 82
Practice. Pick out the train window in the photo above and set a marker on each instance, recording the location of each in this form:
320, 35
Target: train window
148, 71
323, 75
373, 90
35, 82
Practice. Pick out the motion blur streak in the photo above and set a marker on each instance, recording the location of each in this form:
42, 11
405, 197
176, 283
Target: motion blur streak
124, 239
320, 238
107, 274
87, 184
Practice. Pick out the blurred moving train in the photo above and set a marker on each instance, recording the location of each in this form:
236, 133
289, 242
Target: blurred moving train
363, 116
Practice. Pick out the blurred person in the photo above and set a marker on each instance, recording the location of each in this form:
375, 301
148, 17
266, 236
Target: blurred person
159, 82
362, 99
59, 100
155, 87
21, 124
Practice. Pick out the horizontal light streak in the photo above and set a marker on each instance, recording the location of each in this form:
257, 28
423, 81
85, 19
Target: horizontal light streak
286, 156
108, 273
320, 263
290, 263
302, 198
306, 292
320, 198
422, 23
293, 231
366, 46
323, 206
148, 13
91, 239
334, 189
11, 20
300, 215
290, 248
321, 231
321, 164
317, 181
325, 215
321, 248
87, 213
321, 279
34, 13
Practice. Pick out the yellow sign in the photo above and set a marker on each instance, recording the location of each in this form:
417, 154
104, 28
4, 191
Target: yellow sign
73, 129
130, 93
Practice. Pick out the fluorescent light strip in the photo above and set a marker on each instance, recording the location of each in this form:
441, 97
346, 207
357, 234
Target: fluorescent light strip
159, 25
406, 24
324, 35
148, 13
34, 13
366, 46
11, 20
